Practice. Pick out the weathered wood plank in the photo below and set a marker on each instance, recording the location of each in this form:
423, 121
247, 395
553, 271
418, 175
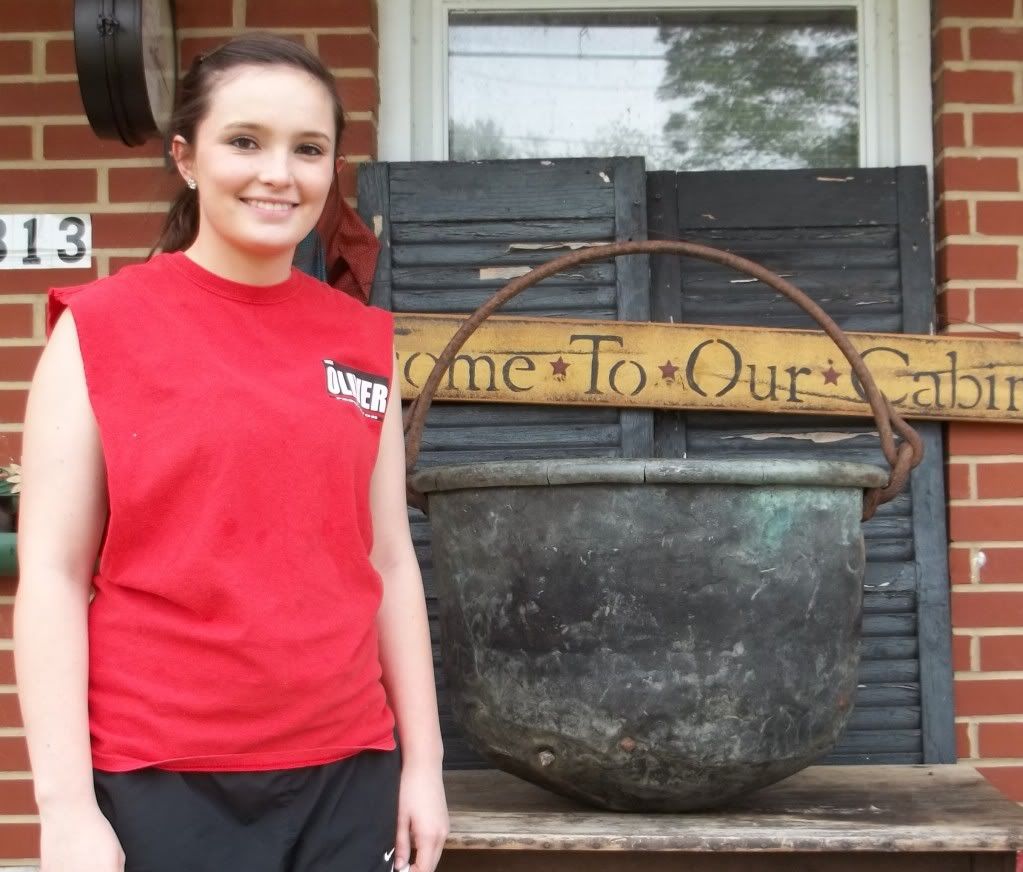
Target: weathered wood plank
847, 197
633, 861
823, 808
530, 190
677, 366
545, 232
375, 211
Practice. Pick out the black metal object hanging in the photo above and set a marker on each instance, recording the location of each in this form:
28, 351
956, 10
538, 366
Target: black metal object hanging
126, 57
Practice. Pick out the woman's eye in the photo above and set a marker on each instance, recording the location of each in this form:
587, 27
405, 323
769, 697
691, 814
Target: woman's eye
244, 142
310, 149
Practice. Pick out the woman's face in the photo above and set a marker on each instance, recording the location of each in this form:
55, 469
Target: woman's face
263, 159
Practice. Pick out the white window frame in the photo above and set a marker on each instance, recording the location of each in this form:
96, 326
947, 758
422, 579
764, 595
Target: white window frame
895, 82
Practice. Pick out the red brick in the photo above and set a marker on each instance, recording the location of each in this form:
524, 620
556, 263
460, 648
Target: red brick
10, 712
1001, 653
998, 129
12, 405
26, 98
15, 142
996, 43
18, 363
7, 667
994, 696
963, 750
15, 57
948, 45
16, 797
974, 86
954, 306
359, 93
19, 841
999, 481
117, 262
208, 13
973, 9
1000, 740
349, 179
995, 305
48, 186
193, 46
986, 524
360, 137
982, 438
1008, 779
958, 479
965, 261
16, 321
953, 218
1002, 566
60, 56
39, 281
949, 131
78, 142
961, 653
959, 565
1000, 218
11, 449
13, 755
126, 229
143, 184
41, 15
348, 50
978, 174
986, 608
310, 13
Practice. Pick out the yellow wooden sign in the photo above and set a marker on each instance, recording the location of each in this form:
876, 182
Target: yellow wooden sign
682, 366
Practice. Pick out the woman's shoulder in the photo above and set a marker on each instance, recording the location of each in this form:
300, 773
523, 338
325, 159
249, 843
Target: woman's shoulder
346, 306
107, 291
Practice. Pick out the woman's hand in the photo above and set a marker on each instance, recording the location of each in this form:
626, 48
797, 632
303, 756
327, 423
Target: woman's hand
422, 818
79, 839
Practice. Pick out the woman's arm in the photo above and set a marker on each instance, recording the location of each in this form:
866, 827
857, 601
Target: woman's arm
406, 655
62, 512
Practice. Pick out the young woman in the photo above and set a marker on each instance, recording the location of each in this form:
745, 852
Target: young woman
224, 433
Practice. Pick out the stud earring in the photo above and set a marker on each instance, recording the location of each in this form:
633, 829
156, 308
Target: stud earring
192, 184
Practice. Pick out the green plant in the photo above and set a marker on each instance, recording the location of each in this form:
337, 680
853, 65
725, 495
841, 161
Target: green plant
10, 487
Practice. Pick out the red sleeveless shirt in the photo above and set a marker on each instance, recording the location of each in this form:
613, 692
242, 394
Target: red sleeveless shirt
233, 624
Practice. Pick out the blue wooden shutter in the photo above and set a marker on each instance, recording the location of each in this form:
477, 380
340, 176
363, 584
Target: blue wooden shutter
858, 242
441, 226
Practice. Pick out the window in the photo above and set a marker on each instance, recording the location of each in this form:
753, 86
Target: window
696, 90
689, 86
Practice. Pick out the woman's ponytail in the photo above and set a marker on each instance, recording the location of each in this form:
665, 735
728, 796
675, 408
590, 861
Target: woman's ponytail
181, 224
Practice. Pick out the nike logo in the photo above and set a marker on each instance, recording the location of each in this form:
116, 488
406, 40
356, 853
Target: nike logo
388, 855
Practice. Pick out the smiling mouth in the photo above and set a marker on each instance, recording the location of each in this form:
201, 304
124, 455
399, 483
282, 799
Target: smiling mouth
270, 205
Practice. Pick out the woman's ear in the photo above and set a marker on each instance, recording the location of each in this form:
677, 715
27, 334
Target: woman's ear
181, 153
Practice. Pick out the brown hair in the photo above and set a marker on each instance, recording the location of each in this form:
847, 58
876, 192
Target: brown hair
252, 49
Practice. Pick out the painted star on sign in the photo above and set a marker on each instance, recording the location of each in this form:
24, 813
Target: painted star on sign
830, 374
668, 370
560, 367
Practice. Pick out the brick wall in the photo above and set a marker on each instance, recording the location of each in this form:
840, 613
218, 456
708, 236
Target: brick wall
50, 161
978, 104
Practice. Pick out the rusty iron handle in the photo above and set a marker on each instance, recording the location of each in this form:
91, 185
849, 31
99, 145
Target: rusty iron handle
902, 457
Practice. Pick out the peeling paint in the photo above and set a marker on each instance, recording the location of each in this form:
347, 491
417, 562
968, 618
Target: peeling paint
820, 437
605, 177
834, 178
977, 563
552, 246
503, 272
378, 225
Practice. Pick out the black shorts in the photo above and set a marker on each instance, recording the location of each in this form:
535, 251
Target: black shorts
340, 817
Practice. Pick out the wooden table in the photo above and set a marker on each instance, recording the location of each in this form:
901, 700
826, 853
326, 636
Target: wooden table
824, 819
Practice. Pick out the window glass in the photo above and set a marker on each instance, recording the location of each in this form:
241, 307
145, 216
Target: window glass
686, 90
